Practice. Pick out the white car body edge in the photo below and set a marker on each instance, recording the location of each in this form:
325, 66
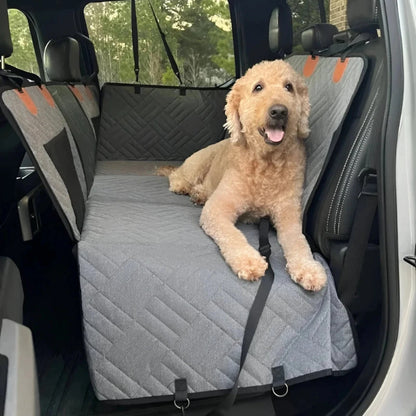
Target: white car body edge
397, 395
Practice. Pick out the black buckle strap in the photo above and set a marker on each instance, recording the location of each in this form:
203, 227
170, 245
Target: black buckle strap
264, 245
253, 318
181, 400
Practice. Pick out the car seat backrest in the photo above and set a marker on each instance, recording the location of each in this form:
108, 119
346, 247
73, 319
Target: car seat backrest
75, 100
332, 83
62, 65
332, 211
33, 113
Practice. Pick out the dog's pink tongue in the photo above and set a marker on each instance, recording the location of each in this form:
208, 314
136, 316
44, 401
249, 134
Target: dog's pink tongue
275, 135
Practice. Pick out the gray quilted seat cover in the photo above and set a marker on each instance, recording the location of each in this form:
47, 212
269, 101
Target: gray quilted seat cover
159, 302
159, 123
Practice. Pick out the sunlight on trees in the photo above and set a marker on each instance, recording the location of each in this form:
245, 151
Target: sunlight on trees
198, 32
23, 56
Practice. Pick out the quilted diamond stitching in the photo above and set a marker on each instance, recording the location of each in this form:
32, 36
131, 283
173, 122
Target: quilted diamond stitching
171, 126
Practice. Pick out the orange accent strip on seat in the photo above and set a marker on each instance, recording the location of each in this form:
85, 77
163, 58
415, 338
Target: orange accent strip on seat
76, 92
48, 97
27, 101
310, 65
89, 92
339, 70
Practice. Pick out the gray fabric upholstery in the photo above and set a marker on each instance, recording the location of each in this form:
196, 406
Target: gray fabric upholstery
39, 129
327, 110
158, 123
81, 129
159, 302
131, 167
87, 97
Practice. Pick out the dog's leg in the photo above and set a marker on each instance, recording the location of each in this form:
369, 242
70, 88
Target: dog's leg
301, 266
217, 219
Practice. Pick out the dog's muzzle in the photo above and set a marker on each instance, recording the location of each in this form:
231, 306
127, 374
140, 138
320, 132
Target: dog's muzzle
274, 131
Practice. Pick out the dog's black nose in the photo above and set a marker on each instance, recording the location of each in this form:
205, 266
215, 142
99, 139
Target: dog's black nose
278, 112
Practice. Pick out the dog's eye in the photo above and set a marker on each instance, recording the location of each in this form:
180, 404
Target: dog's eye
289, 87
258, 87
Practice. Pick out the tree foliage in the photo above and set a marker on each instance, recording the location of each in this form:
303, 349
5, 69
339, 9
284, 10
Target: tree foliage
23, 56
198, 33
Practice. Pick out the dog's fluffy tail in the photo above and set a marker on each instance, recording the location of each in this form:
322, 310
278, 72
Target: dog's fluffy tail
165, 170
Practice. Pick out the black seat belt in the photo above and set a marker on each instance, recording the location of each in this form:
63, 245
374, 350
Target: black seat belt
172, 61
253, 317
135, 40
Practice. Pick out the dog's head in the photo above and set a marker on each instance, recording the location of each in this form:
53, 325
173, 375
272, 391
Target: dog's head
268, 106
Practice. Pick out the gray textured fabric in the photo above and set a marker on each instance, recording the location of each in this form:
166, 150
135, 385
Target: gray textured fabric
88, 99
160, 303
327, 109
158, 123
131, 167
81, 129
38, 129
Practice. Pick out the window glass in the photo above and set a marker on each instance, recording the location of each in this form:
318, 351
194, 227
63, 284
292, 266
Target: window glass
305, 14
23, 56
198, 33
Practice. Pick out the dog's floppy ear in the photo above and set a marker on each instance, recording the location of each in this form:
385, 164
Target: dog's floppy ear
303, 123
233, 124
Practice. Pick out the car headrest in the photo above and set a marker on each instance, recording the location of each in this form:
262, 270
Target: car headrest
61, 60
280, 30
318, 37
6, 46
362, 15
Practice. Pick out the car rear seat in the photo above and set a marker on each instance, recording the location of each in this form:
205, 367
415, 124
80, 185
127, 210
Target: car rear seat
333, 208
158, 306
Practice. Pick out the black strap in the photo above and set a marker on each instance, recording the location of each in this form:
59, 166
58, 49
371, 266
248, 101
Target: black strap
253, 316
172, 61
343, 48
360, 234
29, 75
14, 79
135, 39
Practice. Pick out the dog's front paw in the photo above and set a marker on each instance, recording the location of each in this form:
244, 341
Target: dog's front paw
310, 275
250, 266
198, 195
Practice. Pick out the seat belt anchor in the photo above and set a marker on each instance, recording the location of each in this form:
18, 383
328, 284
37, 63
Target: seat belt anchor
368, 179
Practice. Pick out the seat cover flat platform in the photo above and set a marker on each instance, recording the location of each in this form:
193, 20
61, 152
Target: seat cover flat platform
159, 304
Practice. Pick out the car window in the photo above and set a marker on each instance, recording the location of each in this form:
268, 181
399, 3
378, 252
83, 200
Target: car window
198, 32
23, 56
307, 13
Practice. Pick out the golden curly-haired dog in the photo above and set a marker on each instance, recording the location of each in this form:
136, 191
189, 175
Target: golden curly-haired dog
258, 171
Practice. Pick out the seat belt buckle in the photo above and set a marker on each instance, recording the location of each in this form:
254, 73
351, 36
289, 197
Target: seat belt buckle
368, 179
265, 250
